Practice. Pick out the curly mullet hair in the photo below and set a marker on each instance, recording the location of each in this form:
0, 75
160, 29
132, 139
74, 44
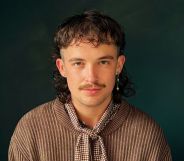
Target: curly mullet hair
95, 28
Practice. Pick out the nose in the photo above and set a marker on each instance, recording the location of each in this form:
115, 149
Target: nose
91, 74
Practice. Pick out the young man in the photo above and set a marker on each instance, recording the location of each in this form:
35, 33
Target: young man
89, 120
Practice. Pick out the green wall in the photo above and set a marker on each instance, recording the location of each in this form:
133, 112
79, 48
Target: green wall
154, 54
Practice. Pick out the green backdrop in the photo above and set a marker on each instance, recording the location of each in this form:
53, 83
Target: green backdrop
154, 54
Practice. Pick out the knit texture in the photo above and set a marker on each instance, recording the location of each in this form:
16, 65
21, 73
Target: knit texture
46, 133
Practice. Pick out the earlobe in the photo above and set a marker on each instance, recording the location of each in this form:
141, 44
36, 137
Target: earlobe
60, 66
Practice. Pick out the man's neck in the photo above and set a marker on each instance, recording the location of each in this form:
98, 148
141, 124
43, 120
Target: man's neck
90, 115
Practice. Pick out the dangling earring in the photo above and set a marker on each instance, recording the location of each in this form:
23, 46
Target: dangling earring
117, 82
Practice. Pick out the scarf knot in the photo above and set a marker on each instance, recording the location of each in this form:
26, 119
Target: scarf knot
90, 133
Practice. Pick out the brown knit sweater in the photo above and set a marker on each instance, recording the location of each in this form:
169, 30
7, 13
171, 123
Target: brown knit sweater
47, 134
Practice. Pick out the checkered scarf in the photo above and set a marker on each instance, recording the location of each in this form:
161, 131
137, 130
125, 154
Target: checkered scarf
83, 149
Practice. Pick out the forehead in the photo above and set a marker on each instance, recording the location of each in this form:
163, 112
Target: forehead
89, 50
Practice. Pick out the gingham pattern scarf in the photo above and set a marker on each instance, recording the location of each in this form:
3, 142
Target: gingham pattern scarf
83, 149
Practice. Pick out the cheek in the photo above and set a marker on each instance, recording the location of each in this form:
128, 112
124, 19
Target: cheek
110, 80
73, 80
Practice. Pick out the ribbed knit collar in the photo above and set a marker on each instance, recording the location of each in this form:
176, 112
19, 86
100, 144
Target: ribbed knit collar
115, 123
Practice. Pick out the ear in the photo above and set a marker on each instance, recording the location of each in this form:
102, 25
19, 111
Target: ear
61, 67
120, 63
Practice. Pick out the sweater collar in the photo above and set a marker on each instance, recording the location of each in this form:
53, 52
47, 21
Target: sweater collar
114, 124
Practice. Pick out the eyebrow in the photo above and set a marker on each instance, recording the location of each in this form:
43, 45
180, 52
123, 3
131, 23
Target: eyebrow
101, 58
106, 57
76, 59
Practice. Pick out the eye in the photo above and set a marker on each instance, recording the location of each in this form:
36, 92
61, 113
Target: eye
78, 64
104, 62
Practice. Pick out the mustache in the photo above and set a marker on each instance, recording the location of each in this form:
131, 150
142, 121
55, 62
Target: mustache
92, 86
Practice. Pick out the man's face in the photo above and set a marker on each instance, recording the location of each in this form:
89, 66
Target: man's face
90, 72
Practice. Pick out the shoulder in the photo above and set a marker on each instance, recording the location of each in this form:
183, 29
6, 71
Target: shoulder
39, 112
36, 126
28, 125
40, 115
141, 126
138, 118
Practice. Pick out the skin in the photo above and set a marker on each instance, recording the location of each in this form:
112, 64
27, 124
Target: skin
90, 72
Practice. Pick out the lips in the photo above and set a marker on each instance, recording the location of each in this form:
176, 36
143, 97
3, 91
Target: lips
91, 91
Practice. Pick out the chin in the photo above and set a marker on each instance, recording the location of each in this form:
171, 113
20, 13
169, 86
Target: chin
93, 102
